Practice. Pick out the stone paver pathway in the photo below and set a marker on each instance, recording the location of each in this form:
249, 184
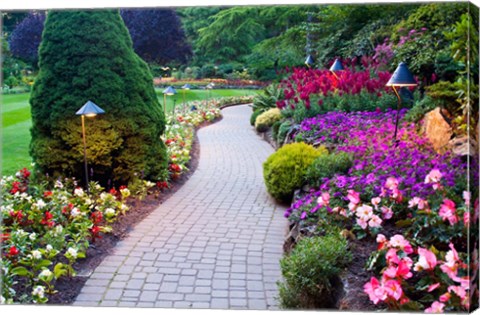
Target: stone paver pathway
216, 243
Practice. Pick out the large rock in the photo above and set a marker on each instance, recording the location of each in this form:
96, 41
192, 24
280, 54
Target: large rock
437, 130
463, 146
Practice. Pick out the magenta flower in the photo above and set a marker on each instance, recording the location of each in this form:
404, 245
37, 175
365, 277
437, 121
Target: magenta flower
426, 261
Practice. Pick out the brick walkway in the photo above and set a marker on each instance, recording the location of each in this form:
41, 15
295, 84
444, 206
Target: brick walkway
216, 243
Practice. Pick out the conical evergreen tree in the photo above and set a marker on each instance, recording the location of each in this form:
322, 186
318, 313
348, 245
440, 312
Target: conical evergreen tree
88, 55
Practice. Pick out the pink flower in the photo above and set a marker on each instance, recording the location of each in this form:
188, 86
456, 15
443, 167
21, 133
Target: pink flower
426, 261
381, 238
362, 222
353, 196
467, 196
445, 297
458, 290
433, 287
375, 221
392, 256
387, 212
447, 211
365, 212
466, 219
393, 289
375, 291
450, 266
391, 183
416, 201
434, 177
400, 242
403, 269
376, 201
436, 307
324, 199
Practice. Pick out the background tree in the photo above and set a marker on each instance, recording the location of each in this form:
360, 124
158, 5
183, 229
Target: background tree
157, 35
88, 55
26, 38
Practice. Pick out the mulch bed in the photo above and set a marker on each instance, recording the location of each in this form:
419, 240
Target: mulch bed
69, 288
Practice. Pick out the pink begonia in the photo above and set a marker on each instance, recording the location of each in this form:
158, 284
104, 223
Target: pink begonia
324, 199
364, 212
391, 183
445, 297
458, 290
434, 177
447, 211
400, 242
387, 212
392, 256
467, 196
436, 307
450, 266
375, 221
416, 201
376, 201
353, 196
426, 261
432, 287
381, 238
375, 291
362, 222
393, 289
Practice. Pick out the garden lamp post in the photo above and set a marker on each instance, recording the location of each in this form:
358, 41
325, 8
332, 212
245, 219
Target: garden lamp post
90, 109
336, 66
168, 91
209, 88
185, 88
402, 77
309, 61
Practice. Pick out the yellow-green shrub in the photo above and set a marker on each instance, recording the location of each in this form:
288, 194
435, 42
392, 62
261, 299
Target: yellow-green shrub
267, 119
285, 169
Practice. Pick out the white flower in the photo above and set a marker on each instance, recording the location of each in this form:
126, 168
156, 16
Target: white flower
58, 184
103, 196
75, 212
32, 236
2, 300
88, 201
58, 230
45, 273
36, 254
49, 247
72, 252
41, 204
124, 207
38, 291
78, 192
109, 212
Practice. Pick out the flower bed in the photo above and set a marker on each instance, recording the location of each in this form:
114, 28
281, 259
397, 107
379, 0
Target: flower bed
413, 202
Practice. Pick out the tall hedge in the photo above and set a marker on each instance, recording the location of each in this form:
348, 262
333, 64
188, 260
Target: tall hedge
88, 55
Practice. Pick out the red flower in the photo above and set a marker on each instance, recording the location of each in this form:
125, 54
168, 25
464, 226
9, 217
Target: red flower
15, 188
47, 194
4, 237
162, 185
13, 251
47, 219
96, 217
113, 191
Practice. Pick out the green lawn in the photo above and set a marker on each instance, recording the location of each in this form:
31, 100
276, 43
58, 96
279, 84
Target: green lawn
16, 122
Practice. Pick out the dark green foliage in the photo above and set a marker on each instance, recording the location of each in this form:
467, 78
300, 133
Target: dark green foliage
88, 55
326, 166
254, 116
283, 130
421, 108
311, 272
285, 169
275, 128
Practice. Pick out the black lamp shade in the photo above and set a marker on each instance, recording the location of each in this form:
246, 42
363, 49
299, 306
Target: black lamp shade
187, 87
337, 66
90, 109
310, 61
402, 77
170, 91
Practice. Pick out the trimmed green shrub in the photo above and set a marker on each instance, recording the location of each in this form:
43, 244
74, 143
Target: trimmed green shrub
311, 272
285, 169
254, 116
283, 130
267, 119
88, 55
327, 166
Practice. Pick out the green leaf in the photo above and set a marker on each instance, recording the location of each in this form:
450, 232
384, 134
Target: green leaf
403, 223
43, 263
60, 270
21, 271
411, 306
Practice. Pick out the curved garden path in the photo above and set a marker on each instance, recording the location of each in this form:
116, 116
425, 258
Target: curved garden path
216, 243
